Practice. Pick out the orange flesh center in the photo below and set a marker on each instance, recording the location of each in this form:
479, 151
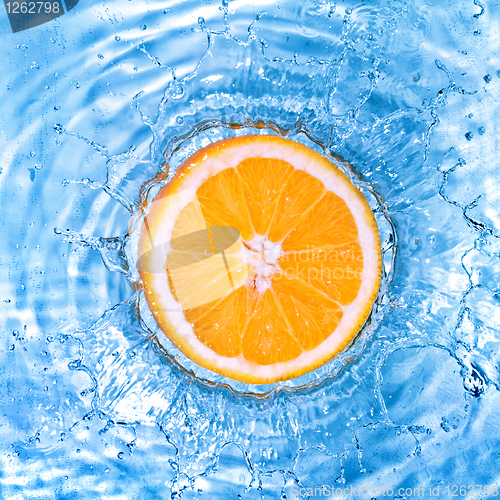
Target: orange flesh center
303, 262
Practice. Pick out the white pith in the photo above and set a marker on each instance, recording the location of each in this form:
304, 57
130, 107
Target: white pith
263, 256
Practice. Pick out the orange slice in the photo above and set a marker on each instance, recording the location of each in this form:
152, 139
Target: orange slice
260, 260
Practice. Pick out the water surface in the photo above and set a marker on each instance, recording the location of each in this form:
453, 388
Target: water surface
95, 102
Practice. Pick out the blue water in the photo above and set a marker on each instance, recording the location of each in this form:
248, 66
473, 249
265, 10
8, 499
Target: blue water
92, 106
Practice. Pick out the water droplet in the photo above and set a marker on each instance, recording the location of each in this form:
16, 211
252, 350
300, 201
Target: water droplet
35, 65
121, 455
481, 130
474, 382
106, 470
348, 11
7, 301
111, 93
444, 425
477, 32
12, 347
117, 38
177, 92
469, 136
487, 78
73, 365
470, 115
100, 56
143, 27
78, 450
179, 120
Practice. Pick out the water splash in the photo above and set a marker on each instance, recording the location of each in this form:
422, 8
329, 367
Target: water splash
408, 129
